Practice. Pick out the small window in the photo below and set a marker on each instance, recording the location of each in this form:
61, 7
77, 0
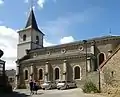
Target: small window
37, 39
11, 80
24, 37
112, 73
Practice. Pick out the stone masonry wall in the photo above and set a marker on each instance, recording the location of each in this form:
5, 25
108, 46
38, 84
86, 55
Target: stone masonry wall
110, 76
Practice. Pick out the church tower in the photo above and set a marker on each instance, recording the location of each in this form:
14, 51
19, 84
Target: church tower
30, 37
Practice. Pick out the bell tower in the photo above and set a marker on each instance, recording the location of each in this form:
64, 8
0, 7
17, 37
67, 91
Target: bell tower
30, 37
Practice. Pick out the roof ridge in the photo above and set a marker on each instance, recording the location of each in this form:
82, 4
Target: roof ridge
104, 62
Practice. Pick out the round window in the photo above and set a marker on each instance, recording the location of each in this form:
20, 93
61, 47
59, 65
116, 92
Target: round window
35, 55
81, 48
48, 52
63, 50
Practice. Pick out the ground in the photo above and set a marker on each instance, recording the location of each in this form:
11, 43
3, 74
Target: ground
52, 93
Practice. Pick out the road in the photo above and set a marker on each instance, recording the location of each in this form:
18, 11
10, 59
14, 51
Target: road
56, 93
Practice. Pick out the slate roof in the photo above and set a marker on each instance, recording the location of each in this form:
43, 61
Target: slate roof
77, 42
31, 22
58, 56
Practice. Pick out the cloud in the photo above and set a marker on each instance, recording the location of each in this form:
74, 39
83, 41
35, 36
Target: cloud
8, 43
41, 3
26, 1
46, 43
1, 1
67, 39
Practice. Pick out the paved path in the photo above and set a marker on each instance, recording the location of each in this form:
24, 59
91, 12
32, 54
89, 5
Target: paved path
57, 93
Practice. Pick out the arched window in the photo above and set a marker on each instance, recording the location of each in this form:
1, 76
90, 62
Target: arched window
101, 58
57, 73
40, 74
24, 37
37, 39
26, 74
77, 72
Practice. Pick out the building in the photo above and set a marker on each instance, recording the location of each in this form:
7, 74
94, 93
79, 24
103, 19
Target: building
109, 72
4, 85
11, 74
72, 61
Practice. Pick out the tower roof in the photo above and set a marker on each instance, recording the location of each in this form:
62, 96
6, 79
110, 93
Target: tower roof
31, 22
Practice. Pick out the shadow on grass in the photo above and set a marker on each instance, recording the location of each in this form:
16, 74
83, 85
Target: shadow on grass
14, 94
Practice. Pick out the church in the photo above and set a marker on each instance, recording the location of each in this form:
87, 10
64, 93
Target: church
71, 61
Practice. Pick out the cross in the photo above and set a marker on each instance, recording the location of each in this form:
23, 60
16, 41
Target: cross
32, 4
110, 31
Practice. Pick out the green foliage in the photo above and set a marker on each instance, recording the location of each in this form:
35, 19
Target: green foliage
22, 86
90, 87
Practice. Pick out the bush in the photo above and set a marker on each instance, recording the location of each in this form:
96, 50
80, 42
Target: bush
22, 86
90, 87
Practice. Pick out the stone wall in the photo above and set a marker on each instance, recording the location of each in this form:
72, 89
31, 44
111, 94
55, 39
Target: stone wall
110, 73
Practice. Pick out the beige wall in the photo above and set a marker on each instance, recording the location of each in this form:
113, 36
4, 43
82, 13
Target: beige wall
28, 36
113, 65
21, 50
58, 64
33, 38
29, 43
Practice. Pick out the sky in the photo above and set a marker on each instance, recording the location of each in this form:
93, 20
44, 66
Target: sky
62, 21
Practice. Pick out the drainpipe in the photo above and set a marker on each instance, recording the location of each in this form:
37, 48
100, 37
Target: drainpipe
99, 80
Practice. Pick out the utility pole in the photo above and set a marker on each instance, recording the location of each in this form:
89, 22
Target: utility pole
85, 42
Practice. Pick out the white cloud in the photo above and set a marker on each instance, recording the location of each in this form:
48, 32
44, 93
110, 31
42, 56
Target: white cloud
1, 1
41, 3
26, 1
8, 43
67, 39
46, 43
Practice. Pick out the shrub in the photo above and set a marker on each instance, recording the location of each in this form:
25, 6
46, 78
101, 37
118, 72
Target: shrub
90, 87
22, 86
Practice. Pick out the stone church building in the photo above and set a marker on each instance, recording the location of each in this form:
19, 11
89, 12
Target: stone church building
71, 61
